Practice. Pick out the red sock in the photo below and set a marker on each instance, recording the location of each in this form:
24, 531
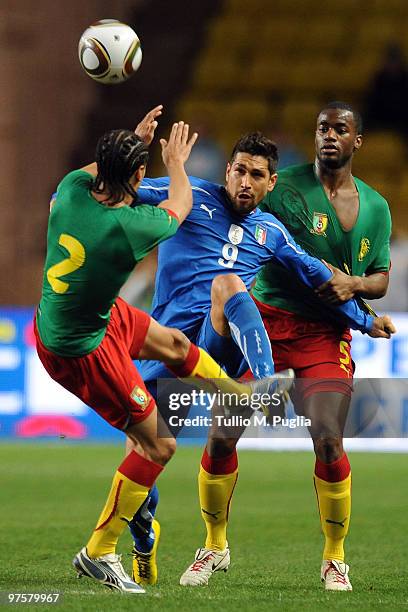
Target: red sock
140, 470
333, 472
184, 370
220, 465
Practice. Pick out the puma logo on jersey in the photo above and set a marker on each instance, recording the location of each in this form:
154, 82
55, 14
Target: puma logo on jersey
210, 212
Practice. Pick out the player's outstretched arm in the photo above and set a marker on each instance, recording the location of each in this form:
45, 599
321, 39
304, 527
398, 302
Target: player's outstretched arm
175, 153
313, 273
145, 130
342, 287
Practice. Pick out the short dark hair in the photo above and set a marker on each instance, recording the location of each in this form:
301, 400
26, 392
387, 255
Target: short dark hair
256, 143
358, 120
119, 153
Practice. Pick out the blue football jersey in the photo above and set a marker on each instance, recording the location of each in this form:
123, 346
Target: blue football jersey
215, 240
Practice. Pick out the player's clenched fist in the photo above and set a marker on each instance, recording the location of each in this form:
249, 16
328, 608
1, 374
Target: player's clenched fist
178, 147
382, 327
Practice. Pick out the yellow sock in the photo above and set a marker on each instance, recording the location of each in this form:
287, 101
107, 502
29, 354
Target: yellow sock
206, 367
334, 499
215, 491
124, 499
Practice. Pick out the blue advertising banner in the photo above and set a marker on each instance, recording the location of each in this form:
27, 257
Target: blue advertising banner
32, 405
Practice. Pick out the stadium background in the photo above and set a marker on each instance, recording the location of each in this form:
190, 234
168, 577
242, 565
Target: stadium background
227, 66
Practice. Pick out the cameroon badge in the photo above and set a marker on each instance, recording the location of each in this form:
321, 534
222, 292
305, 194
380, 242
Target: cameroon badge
140, 397
320, 221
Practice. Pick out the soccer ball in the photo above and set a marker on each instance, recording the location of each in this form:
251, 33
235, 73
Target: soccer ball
109, 51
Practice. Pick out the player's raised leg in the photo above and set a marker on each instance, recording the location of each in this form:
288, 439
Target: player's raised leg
234, 314
186, 360
332, 479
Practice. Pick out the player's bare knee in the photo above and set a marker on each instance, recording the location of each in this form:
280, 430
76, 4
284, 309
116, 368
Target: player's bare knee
218, 447
162, 451
179, 347
133, 445
224, 286
328, 448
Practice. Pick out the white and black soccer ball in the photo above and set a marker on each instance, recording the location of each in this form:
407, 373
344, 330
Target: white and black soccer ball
109, 51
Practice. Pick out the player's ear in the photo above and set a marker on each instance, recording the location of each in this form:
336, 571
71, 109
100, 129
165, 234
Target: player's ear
227, 172
140, 173
358, 141
272, 181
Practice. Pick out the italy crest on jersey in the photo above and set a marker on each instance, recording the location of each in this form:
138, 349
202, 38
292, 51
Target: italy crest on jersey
260, 234
364, 248
140, 397
320, 221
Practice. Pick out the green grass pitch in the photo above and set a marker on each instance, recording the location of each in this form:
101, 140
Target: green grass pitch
50, 498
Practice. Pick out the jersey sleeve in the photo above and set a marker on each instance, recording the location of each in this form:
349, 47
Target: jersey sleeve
154, 191
381, 262
313, 273
146, 227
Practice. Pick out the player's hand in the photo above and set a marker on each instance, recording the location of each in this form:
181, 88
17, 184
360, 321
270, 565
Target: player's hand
382, 327
146, 128
339, 288
178, 147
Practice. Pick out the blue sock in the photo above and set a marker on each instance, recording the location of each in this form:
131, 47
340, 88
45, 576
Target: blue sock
249, 333
141, 524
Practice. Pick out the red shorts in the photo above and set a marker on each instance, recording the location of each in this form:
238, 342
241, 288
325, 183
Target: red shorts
314, 349
107, 379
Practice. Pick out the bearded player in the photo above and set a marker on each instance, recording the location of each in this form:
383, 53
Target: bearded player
338, 218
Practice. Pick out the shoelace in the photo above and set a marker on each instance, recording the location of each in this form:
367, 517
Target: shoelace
339, 576
200, 563
142, 564
117, 566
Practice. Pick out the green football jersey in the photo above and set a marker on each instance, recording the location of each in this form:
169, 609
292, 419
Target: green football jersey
301, 204
91, 251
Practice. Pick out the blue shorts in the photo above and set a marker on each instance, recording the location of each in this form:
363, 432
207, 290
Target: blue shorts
224, 350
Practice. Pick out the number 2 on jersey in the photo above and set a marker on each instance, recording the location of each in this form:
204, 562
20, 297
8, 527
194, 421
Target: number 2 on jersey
75, 260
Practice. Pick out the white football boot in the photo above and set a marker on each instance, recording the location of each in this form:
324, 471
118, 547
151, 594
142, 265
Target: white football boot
206, 562
277, 385
107, 570
334, 574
